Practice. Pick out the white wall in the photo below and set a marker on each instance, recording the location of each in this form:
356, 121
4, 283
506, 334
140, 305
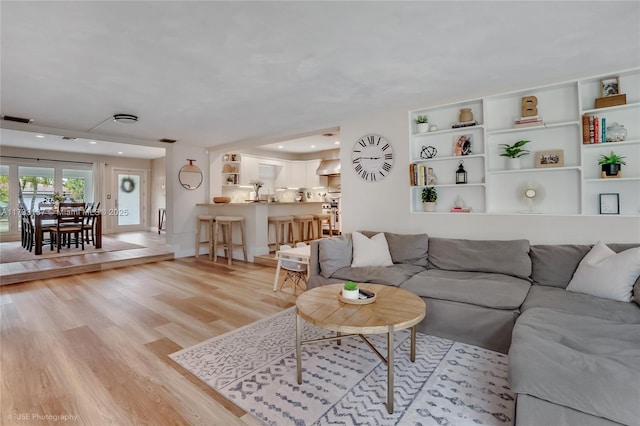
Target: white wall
181, 203
385, 206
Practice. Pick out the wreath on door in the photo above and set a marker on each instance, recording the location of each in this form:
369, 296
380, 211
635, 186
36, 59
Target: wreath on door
127, 185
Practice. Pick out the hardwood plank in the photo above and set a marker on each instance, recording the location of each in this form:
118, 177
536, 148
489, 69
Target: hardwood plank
96, 345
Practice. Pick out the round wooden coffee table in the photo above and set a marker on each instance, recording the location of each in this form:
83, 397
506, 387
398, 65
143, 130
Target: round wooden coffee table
394, 309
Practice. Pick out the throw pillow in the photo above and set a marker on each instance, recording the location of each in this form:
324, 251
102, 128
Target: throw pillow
372, 251
607, 274
334, 253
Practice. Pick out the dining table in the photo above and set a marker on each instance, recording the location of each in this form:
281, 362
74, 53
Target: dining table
40, 216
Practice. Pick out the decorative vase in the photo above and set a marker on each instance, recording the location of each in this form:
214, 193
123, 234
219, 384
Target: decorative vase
465, 115
423, 127
616, 133
429, 206
513, 163
350, 294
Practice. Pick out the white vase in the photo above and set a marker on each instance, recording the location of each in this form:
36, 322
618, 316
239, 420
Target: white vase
429, 207
513, 163
423, 127
350, 294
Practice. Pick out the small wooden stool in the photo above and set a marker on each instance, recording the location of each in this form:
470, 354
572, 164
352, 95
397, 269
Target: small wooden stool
319, 219
203, 220
284, 227
224, 225
304, 223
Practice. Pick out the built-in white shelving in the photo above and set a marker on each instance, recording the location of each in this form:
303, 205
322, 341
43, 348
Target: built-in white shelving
572, 188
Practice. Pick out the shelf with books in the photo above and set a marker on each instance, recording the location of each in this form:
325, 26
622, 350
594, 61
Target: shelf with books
610, 145
542, 127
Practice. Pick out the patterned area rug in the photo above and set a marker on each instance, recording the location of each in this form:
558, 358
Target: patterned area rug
450, 383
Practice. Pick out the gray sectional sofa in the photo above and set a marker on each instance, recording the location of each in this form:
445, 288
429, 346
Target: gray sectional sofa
574, 359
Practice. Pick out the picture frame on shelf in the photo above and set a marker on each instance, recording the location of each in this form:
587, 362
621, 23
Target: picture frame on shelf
462, 145
552, 158
609, 203
609, 86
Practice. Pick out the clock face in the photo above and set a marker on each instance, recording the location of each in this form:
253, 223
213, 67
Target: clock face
372, 158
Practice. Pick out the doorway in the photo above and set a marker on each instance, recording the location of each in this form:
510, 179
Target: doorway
130, 207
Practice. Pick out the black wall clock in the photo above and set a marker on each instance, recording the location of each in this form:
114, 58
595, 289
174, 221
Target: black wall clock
372, 158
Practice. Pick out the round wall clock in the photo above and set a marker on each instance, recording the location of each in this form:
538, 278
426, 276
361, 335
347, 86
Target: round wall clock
372, 158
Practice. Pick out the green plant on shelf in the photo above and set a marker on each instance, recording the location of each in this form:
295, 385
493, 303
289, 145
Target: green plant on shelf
515, 150
612, 158
429, 194
422, 119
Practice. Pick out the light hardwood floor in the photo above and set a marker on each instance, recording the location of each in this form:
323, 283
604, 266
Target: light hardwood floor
96, 345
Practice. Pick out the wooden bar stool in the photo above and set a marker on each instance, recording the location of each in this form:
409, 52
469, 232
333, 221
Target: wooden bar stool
319, 219
284, 230
304, 223
203, 220
224, 225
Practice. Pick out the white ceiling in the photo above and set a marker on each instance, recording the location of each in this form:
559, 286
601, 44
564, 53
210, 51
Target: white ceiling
210, 73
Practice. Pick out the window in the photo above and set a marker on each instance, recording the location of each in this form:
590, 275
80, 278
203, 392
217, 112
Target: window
4, 198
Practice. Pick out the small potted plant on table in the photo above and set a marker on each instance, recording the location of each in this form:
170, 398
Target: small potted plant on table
611, 165
422, 123
513, 153
429, 197
350, 290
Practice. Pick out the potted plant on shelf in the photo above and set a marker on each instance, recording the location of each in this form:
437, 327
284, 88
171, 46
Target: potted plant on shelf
513, 153
422, 122
429, 197
611, 165
350, 290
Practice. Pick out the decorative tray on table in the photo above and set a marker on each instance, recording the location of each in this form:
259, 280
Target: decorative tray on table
364, 301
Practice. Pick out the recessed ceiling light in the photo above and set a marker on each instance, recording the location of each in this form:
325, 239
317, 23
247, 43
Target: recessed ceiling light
313, 146
93, 142
40, 136
120, 152
280, 147
336, 143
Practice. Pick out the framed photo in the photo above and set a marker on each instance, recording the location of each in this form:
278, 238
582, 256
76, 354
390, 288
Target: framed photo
462, 145
609, 86
610, 203
553, 158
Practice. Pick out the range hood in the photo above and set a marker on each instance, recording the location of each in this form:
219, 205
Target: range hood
328, 168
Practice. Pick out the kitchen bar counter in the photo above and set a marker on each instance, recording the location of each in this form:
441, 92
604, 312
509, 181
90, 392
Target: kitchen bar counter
256, 220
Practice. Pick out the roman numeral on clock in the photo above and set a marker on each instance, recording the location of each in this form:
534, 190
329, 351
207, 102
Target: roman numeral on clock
388, 156
386, 167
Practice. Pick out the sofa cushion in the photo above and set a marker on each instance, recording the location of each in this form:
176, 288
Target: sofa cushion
334, 253
554, 265
406, 248
607, 274
541, 296
496, 291
373, 251
588, 364
501, 257
389, 275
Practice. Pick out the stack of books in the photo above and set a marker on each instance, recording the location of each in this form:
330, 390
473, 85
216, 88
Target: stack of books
532, 121
460, 210
421, 175
464, 124
594, 129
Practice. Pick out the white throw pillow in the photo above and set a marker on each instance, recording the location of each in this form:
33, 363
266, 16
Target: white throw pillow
605, 273
372, 251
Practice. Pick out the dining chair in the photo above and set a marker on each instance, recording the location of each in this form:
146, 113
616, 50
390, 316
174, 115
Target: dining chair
89, 224
296, 269
68, 225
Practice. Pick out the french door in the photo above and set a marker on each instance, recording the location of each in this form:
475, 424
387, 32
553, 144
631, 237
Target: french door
129, 212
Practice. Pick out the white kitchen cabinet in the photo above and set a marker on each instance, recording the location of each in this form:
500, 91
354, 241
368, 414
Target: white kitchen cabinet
312, 179
283, 178
572, 188
248, 169
298, 174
